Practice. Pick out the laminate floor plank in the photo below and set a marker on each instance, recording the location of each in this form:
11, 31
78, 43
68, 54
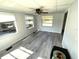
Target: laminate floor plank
41, 44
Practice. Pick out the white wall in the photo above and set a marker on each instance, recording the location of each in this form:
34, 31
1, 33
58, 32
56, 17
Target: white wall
9, 39
57, 23
70, 38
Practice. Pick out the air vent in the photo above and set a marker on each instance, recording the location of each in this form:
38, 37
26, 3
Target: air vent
9, 48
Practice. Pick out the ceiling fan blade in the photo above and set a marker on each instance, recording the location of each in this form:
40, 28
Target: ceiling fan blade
45, 12
41, 7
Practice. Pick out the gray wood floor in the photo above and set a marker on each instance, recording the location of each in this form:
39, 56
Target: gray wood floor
41, 44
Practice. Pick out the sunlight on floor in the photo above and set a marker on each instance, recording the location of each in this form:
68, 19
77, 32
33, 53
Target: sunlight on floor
26, 50
20, 53
8, 56
39, 58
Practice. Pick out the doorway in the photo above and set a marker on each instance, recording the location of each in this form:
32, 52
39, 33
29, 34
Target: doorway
64, 23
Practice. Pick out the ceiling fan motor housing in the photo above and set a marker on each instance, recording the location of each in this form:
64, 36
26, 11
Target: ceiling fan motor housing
38, 11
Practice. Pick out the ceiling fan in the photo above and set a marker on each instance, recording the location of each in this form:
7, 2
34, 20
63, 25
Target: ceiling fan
39, 10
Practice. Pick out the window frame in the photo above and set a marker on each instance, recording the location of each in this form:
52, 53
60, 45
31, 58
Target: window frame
47, 23
5, 16
29, 27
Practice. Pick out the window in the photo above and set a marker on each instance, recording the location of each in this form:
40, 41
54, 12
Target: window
47, 20
7, 23
29, 22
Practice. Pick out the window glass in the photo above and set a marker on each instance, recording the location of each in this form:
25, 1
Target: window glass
7, 23
29, 22
47, 20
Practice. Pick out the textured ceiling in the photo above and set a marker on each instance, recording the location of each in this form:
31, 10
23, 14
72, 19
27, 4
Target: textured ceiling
27, 5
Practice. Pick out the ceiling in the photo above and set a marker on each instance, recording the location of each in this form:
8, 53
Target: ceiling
28, 5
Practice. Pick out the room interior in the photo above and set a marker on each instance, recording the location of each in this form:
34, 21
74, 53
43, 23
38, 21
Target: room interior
29, 29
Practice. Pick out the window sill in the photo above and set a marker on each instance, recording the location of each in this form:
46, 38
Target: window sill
30, 27
7, 34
